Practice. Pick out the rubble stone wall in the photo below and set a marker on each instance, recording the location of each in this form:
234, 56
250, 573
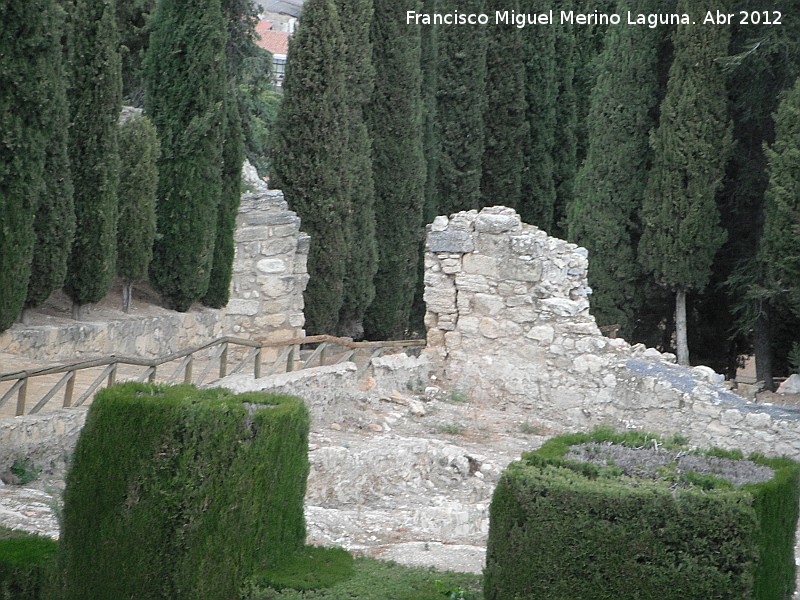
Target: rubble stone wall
269, 277
508, 322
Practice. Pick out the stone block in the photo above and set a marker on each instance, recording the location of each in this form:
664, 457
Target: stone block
541, 333
472, 283
485, 304
477, 264
450, 241
561, 307
271, 265
440, 223
243, 307
497, 223
520, 270
489, 328
440, 300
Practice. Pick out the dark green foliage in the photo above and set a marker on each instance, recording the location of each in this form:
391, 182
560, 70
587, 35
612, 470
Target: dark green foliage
691, 147
775, 503
182, 493
460, 106
565, 148
54, 224
139, 150
537, 205
505, 127
612, 180
355, 17
25, 50
562, 528
380, 580
95, 99
219, 283
395, 122
258, 103
567, 529
133, 22
308, 153
780, 244
559, 533
310, 568
26, 565
185, 76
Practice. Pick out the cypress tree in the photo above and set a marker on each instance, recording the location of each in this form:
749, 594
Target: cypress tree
565, 145
24, 49
54, 224
505, 127
95, 99
133, 22
461, 100
185, 77
429, 52
362, 252
538, 199
691, 147
308, 153
395, 120
613, 179
219, 283
780, 244
138, 186
240, 45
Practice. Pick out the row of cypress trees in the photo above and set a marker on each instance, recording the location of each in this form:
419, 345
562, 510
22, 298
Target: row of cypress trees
646, 145
78, 207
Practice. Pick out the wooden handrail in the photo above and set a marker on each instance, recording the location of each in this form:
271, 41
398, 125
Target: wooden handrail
112, 363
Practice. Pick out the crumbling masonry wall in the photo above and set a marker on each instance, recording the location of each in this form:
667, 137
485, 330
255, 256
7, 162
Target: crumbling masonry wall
508, 321
269, 277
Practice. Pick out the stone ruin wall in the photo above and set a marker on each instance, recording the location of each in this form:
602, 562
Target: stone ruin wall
508, 322
269, 277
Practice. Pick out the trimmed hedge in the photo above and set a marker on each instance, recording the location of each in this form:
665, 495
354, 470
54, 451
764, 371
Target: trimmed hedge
563, 529
176, 492
26, 565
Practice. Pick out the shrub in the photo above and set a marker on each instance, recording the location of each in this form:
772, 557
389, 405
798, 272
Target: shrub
182, 493
560, 529
26, 564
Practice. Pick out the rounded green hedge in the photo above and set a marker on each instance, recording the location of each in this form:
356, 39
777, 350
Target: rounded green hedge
176, 492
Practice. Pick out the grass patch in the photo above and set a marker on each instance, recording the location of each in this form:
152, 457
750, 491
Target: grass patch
26, 564
25, 471
534, 428
456, 397
451, 428
311, 568
377, 580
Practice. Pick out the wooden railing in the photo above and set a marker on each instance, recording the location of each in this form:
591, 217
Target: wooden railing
291, 355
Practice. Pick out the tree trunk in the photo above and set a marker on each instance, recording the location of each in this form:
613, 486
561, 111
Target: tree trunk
127, 295
681, 342
78, 311
761, 347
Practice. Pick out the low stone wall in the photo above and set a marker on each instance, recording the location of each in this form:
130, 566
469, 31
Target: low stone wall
323, 388
508, 321
269, 277
47, 440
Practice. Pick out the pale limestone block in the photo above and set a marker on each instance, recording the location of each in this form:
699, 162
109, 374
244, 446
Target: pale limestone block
519, 270
478, 264
541, 333
497, 223
561, 307
469, 325
451, 266
489, 328
243, 307
452, 340
523, 314
486, 304
440, 300
518, 300
440, 223
757, 420
472, 283
731, 417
